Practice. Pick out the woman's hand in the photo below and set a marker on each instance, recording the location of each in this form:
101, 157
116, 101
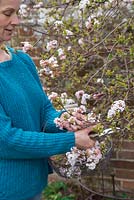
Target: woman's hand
82, 139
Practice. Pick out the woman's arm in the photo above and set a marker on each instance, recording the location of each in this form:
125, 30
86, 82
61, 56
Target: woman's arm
16, 143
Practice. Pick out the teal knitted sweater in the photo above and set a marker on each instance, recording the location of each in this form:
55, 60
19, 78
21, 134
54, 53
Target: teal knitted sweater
25, 112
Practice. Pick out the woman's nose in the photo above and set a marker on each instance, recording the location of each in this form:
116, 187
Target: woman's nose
15, 20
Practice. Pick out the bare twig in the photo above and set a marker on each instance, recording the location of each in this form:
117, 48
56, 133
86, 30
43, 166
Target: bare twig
106, 36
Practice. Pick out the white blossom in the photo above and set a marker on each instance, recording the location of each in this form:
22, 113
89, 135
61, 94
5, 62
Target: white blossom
69, 48
88, 23
83, 108
58, 23
53, 61
81, 41
84, 99
53, 95
91, 166
117, 106
68, 33
52, 45
96, 22
38, 5
100, 80
23, 10
64, 95
61, 54
69, 101
91, 117
44, 63
83, 4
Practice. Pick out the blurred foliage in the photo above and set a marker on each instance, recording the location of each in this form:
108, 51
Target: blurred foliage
58, 191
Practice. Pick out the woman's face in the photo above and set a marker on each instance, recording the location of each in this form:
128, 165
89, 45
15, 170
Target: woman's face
8, 18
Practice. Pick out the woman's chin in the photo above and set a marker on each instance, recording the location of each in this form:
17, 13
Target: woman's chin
7, 38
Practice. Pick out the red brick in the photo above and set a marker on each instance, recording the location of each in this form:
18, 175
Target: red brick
124, 173
128, 185
36, 51
114, 154
128, 145
123, 164
25, 32
36, 61
126, 155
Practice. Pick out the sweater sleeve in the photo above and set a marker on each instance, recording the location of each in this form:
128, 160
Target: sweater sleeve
18, 144
49, 113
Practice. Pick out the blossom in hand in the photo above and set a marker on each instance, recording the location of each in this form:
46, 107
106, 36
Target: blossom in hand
92, 117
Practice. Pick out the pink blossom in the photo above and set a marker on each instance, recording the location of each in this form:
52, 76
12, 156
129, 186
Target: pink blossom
64, 95
52, 45
26, 46
53, 61
44, 63
53, 95
97, 96
79, 94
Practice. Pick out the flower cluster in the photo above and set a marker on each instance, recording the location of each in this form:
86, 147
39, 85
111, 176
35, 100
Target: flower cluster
78, 159
52, 45
48, 66
24, 10
79, 106
117, 106
75, 162
41, 13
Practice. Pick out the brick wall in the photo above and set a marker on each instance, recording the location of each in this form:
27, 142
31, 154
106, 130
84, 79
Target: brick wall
123, 164
122, 161
27, 34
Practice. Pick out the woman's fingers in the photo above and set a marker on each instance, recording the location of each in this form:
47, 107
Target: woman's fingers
74, 122
79, 116
83, 141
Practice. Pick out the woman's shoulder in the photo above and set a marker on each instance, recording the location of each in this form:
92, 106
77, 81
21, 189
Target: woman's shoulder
20, 53
25, 58
10, 49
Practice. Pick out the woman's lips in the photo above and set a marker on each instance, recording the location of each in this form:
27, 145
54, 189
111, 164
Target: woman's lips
9, 31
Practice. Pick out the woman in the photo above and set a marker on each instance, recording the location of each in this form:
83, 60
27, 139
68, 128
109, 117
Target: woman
28, 135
